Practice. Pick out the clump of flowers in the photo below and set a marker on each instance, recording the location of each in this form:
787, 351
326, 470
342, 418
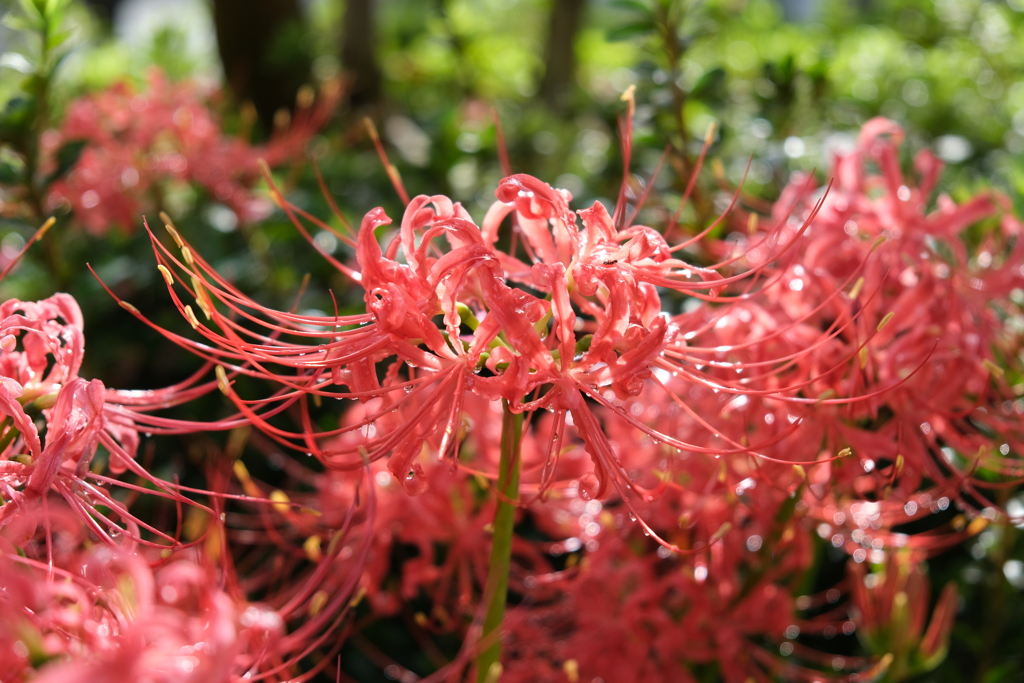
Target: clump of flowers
841, 376
93, 589
141, 144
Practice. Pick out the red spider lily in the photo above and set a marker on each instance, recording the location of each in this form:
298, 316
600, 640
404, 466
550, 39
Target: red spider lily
105, 613
731, 421
918, 436
139, 143
581, 324
78, 578
891, 614
43, 346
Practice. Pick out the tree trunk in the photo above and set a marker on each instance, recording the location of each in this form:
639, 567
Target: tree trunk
560, 53
262, 47
358, 56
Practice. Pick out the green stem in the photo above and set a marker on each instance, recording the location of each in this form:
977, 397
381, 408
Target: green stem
501, 548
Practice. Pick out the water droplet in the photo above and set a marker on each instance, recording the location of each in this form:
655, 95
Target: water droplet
589, 485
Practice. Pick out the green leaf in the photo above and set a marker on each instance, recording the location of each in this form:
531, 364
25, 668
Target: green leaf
634, 5
54, 8
58, 38
16, 118
67, 156
19, 22
31, 10
33, 85
631, 30
710, 85
9, 174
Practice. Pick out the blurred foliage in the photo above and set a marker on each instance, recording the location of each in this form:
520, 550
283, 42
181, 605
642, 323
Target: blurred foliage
786, 93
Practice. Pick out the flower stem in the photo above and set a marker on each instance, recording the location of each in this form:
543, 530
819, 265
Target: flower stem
501, 548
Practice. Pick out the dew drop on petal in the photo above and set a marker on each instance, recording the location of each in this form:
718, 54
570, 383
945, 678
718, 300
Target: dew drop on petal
589, 485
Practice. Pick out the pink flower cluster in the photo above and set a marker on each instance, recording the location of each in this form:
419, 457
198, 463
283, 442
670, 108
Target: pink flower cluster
142, 144
92, 590
696, 411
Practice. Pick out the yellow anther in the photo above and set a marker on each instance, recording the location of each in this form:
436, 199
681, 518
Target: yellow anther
128, 307
885, 321
169, 226
282, 117
371, 129
992, 368
281, 501
709, 135
976, 526
800, 472
495, 670
168, 277
358, 598
186, 254
222, 380
241, 471
722, 531
317, 602
629, 94
304, 98
857, 286
192, 319
752, 223
45, 227
312, 548
572, 670
718, 169
846, 452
